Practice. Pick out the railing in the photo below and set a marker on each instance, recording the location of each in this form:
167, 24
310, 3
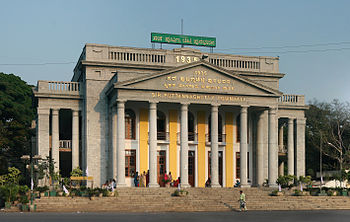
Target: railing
192, 137
136, 56
221, 138
65, 144
59, 87
164, 136
292, 100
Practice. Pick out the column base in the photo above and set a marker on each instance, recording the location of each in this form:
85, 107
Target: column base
215, 185
153, 185
119, 185
273, 185
245, 185
185, 185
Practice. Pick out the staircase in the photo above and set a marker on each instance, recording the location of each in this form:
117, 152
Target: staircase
198, 199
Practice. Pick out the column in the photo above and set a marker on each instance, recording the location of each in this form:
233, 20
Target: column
281, 169
266, 143
184, 146
300, 148
280, 149
43, 129
260, 149
75, 138
121, 144
113, 155
273, 151
244, 147
214, 146
290, 148
280, 138
153, 145
55, 139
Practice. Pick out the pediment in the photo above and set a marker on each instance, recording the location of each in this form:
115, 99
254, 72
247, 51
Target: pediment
199, 77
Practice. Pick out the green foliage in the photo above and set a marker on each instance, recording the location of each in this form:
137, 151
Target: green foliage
42, 189
16, 114
24, 199
305, 180
76, 172
285, 181
179, 193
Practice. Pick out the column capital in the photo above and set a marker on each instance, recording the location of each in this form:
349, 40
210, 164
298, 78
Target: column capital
272, 110
121, 101
244, 106
55, 111
185, 103
301, 121
75, 112
43, 111
215, 105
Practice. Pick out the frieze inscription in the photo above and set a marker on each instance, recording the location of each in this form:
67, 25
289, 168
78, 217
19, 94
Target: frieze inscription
198, 80
171, 95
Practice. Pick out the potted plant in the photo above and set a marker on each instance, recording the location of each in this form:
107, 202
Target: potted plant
179, 193
276, 193
24, 201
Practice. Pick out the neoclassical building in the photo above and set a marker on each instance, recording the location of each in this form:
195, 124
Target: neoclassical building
194, 114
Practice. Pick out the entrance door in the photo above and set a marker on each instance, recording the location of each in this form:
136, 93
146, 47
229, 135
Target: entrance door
161, 167
191, 168
220, 166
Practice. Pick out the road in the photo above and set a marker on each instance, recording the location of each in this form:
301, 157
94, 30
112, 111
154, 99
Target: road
250, 216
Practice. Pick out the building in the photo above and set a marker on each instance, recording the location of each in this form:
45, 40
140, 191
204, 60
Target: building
194, 114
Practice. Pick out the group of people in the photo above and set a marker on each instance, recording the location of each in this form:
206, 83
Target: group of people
142, 180
110, 185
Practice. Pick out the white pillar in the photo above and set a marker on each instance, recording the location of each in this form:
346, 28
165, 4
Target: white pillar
43, 129
121, 144
244, 147
281, 169
153, 145
113, 154
300, 152
290, 146
75, 138
55, 139
280, 138
260, 150
273, 151
214, 146
184, 146
266, 143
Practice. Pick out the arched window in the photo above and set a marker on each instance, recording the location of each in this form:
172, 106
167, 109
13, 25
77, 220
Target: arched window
130, 120
191, 127
161, 126
219, 128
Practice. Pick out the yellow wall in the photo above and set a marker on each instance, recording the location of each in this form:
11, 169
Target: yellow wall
201, 148
229, 149
143, 140
173, 144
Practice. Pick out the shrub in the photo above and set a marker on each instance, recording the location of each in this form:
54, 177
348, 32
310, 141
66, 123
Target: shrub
178, 193
23, 199
285, 181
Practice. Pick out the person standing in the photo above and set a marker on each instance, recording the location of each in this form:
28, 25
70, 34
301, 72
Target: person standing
242, 202
136, 179
144, 179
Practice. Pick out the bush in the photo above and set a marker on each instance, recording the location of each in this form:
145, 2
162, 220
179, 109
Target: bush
23, 199
285, 181
42, 189
178, 193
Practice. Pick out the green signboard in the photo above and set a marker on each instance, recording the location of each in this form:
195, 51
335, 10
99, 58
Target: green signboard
183, 39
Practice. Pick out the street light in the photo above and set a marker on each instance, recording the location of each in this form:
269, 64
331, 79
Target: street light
31, 159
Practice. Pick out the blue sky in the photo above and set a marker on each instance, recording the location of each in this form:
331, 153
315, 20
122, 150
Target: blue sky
311, 37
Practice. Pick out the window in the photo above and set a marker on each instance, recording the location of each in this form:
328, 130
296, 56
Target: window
191, 134
161, 125
130, 124
130, 163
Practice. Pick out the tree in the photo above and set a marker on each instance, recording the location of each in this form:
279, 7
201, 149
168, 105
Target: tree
16, 114
328, 125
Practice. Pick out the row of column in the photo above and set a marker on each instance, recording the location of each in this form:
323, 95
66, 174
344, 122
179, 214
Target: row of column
43, 130
268, 116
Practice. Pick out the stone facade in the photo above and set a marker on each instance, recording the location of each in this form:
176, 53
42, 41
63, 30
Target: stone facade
195, 114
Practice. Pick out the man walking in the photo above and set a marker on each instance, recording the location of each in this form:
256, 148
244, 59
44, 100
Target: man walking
242, 203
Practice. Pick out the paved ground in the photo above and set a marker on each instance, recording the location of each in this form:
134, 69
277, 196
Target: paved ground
251, 216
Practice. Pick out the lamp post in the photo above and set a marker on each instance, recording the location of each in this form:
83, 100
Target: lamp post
31, 162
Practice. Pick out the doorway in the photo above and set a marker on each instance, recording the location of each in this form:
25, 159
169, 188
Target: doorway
161, 168
191, 168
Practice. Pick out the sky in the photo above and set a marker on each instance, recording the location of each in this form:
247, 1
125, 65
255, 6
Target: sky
42, 40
